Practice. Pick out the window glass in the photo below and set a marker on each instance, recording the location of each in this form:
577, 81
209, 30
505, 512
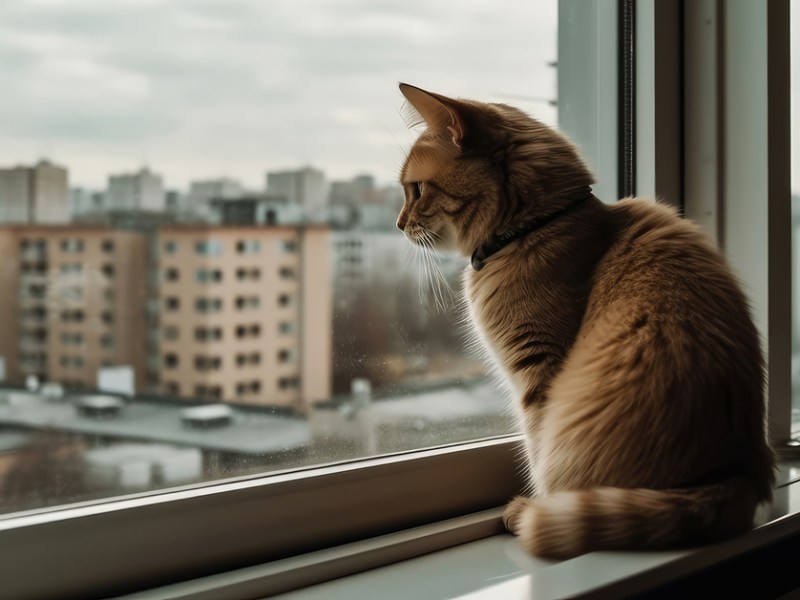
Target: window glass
212, 222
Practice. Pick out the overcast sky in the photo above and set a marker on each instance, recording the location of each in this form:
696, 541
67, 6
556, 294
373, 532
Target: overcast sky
203, 88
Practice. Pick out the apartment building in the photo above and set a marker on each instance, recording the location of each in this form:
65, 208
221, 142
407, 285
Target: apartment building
72, 299
36, 194
305, 187
142, 190
245, 314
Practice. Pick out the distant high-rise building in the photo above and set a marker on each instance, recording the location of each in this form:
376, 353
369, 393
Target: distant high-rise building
245, 314
203, 193
305, 187
37, 194
73, 302
84, 201
143, 190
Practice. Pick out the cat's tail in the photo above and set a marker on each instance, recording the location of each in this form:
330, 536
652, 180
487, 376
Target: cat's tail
569, 523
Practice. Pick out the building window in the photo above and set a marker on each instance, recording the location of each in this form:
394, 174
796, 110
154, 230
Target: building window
251, 274
108, 270
287, 273
245, 331
72, 245
209, 275
173, 303
247, 302
75, 339
253, 358
208, 247
288, 246
288, 383
107, 245
170, 247
72, 316
172, 388
171, 360
286, 327
284, 300
286, 355
172, 274
208, 391
171, 332
107, 317
204, 305
248, 247
207, 363
71, 268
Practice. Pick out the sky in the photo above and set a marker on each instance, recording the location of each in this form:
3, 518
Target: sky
198, 89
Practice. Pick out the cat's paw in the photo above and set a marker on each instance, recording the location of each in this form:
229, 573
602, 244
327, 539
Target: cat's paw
512, 513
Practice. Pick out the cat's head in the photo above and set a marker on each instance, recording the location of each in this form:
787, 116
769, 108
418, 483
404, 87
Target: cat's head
480, 170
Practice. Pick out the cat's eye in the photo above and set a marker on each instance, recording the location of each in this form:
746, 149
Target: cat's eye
416, 190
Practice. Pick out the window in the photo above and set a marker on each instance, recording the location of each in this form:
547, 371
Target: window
207, 363
284, 300
171, 332
288, 383
288, 246
172, 274
203, 305
208, 247
354, 284
72, 245
247, 302
248, 247
108, 270
209, 276
71, 268
107, 246
287, 355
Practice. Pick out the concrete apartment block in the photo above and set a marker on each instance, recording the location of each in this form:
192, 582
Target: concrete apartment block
245, 314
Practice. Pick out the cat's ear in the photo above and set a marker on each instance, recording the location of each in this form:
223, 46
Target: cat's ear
438, 112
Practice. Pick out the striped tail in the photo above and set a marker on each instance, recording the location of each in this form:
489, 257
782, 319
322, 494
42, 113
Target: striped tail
569, 523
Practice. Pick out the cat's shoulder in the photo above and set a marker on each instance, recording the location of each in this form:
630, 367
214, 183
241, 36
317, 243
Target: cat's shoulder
648, 218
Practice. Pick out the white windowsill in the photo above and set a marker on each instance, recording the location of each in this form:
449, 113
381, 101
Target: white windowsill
477, 563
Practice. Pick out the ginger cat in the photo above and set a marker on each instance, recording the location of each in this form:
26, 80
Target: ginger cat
625, 338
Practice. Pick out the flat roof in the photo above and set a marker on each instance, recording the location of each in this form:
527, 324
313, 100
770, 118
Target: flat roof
249, 432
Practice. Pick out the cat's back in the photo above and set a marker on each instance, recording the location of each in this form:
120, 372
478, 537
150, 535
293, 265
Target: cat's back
667, 264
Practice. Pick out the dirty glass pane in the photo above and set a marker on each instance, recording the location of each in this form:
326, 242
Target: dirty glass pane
200, 276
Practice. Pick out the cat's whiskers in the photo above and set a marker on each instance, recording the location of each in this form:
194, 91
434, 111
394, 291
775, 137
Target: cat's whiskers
440, 287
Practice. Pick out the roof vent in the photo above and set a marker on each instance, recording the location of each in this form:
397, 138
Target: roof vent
99, 406
212, 416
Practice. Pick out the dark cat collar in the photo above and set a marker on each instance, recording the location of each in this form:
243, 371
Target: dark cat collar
498, 242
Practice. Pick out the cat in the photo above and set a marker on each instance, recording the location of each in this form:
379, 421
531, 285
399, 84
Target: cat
627, 342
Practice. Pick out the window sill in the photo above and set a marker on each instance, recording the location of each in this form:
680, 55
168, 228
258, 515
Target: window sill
479, 562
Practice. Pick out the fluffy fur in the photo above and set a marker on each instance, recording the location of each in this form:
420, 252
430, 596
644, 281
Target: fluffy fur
629, 346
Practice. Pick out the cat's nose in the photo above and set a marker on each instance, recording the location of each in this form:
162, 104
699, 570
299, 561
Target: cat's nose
402, 220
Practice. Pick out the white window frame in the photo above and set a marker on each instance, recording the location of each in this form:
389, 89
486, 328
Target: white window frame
120, 545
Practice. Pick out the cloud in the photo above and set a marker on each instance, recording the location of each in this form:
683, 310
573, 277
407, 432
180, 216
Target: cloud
246, 86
